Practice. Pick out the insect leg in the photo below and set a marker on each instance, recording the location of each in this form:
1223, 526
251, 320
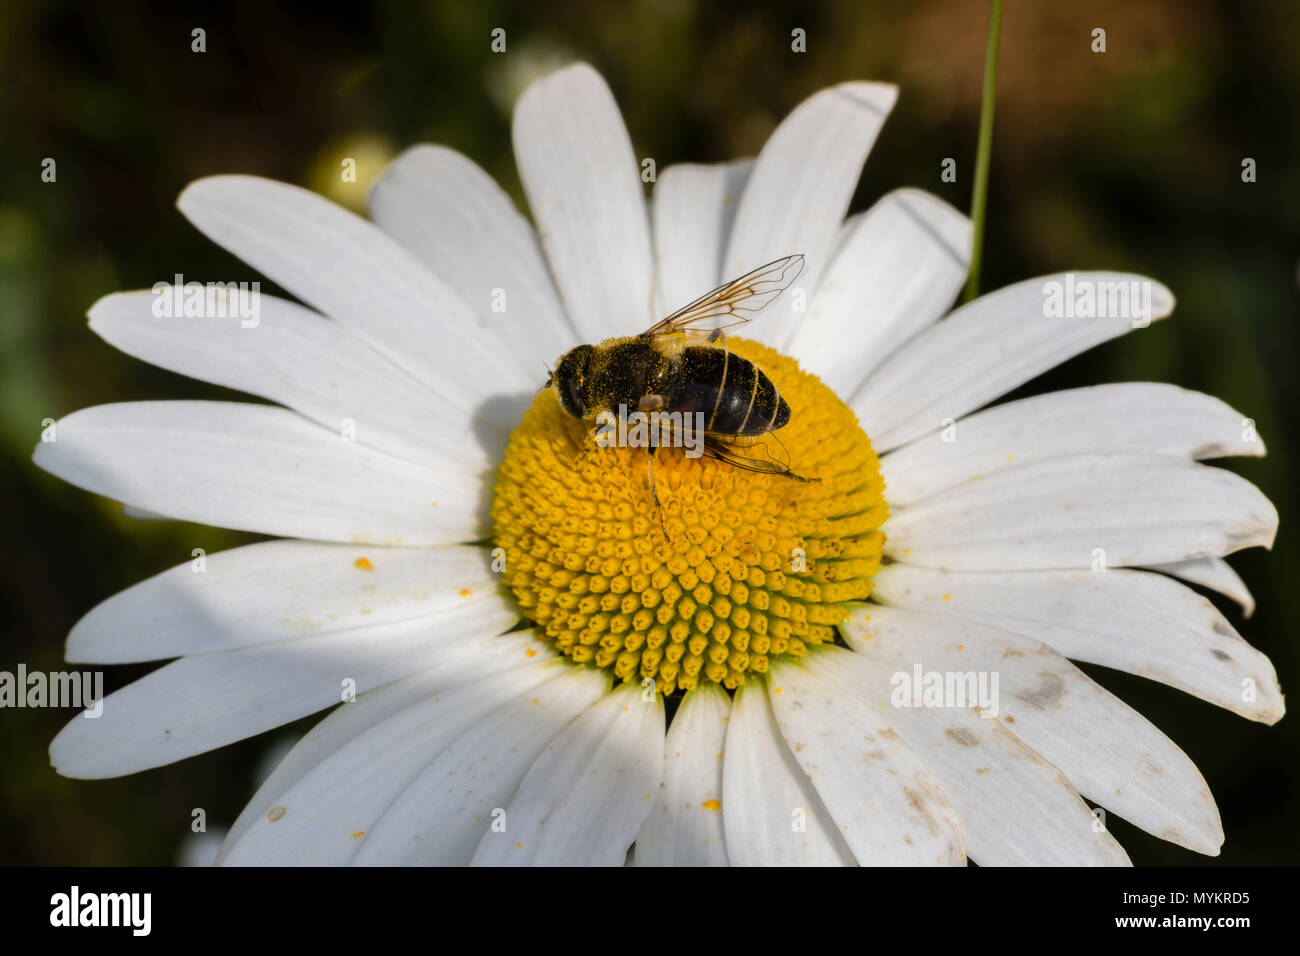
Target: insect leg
650, 466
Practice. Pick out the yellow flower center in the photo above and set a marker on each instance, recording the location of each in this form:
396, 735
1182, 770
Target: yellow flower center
734, 568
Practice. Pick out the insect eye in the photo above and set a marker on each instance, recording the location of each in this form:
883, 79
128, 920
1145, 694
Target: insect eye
571, 397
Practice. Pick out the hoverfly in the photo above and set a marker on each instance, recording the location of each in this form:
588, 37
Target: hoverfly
682, 364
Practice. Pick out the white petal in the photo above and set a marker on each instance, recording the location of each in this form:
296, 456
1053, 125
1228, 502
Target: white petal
800, 190
1132, 417
888, 809
848, 229
685, 826
465, 662
457, 221
300, 359
440, 817
206, 701
323, 819
693, 209
1109, 752
583, 800
1215, 574
584, 189
1057, 513
773, 816
896, 272
259, 468
985, 349
354, 272
1133, 621
276, 591
1015, 808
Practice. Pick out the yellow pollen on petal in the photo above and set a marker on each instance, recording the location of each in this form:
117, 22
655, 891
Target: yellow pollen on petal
736, 568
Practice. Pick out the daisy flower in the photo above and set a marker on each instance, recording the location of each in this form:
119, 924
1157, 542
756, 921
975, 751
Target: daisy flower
531, 662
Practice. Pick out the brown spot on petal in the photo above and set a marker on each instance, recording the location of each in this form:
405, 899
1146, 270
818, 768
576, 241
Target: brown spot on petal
920, 802
1047, 694
962, 736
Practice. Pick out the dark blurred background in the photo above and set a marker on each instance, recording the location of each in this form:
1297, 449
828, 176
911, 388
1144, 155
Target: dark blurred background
1128, 160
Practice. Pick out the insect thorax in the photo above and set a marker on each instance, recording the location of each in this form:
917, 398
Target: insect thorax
624, 371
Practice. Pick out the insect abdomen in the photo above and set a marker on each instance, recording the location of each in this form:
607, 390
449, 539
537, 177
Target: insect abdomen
736, 397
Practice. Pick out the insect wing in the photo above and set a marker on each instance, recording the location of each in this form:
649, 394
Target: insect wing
735, 303
758, 456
